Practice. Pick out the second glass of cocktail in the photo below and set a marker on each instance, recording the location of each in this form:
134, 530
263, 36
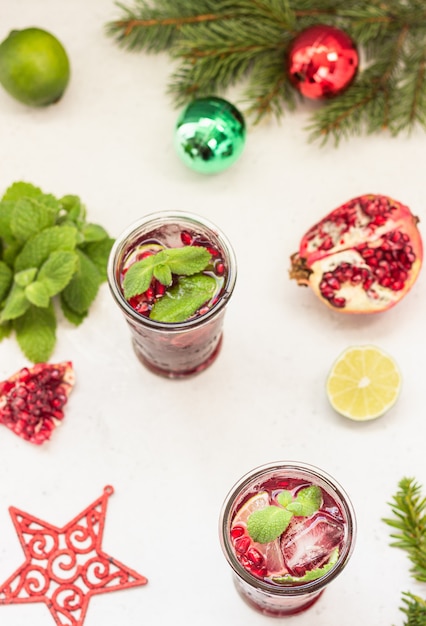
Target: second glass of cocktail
287, 530
172, 274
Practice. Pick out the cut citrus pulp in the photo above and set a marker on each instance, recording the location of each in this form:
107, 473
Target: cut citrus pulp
363, 383
271, 551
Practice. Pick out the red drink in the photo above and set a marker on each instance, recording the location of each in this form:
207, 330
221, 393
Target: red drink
187, 346
287, 530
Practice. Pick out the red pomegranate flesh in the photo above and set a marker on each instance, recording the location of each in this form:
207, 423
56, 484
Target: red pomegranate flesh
363, 257
32, 400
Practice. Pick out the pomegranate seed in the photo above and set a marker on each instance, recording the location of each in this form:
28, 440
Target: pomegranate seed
260, 572
339, 303
160, 290
237, 531
219, 268
186, 238
242, 544
255, 557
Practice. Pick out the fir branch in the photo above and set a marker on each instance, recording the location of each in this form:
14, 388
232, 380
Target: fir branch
409, 522
414, 608
409, 533
218, 43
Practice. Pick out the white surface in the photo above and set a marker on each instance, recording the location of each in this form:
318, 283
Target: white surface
173, 449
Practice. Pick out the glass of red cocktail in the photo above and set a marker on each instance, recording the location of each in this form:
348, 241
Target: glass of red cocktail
287, 530
172, 275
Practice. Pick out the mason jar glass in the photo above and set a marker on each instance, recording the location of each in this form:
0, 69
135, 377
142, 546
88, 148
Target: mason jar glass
310, 553
184, 348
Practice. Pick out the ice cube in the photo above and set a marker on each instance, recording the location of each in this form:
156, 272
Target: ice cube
309, 542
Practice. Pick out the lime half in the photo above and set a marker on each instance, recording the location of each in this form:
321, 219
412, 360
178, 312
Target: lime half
363, 383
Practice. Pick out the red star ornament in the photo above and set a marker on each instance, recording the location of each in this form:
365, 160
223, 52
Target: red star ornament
65, 567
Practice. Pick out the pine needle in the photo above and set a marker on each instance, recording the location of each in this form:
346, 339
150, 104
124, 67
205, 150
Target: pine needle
409, 534
220, 43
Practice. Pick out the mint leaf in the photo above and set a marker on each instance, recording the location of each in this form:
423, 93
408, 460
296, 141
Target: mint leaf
98, 253
71, 315
5, 330
21, 190
37, 294
37, 249
84, 285
93, 232
30, 217
57, 271
16, 304
184, 298
307, 502
11, 251
313, 574
285, 497
24, 278
267, 524
36, 333
163, 274
6, 210
76, 211
6, 278
138, 277
185, 261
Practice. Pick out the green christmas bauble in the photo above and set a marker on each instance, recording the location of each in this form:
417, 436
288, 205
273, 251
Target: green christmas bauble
210, 135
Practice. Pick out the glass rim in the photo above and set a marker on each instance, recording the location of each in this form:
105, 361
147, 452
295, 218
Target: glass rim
168, 216
331, 485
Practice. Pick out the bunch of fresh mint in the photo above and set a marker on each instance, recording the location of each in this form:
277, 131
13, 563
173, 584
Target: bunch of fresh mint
48, 253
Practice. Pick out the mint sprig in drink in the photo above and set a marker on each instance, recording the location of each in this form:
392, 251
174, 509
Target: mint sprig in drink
287, 530
172, 275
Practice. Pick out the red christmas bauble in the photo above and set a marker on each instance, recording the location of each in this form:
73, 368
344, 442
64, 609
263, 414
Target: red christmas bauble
322, 61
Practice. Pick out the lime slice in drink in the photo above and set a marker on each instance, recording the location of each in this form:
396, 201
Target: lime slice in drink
271, 552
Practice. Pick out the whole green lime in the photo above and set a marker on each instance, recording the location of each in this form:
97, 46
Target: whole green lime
34, 66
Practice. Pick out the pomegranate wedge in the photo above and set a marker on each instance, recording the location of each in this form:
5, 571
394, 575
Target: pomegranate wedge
33, 399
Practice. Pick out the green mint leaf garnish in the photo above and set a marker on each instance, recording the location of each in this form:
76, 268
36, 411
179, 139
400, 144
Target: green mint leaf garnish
138, 277
71, 315
5, 330
84, 285
36, 333
37, 294
163, 274
267, 524
57, 271
184, 261
6, 278
37, 249
307, 502
284, 497
26, 277
313, 574
184, 299
30, 217
48, 252
15, 305
188, 260
93, 232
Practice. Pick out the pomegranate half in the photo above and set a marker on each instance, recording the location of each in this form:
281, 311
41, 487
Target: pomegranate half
363, 257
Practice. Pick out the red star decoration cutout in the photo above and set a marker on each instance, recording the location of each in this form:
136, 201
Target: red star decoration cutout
65, 567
